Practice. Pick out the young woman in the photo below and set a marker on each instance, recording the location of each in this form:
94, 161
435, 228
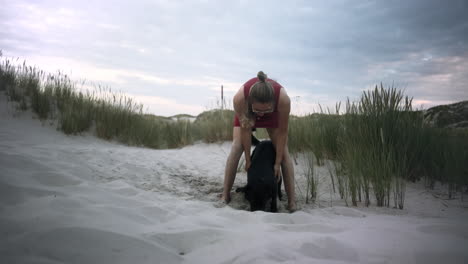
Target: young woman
261, 103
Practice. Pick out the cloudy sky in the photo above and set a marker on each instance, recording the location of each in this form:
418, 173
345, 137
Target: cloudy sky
173, 56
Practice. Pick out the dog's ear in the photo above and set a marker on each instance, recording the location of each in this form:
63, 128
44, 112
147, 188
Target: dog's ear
255, 141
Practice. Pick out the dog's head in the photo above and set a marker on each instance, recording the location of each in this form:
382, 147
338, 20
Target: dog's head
258, 192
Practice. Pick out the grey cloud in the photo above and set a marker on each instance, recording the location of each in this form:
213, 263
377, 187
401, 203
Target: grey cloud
344, 45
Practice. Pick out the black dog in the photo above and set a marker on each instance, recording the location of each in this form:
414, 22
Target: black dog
261, 183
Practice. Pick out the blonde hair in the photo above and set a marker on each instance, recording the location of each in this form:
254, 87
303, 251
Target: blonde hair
262, 91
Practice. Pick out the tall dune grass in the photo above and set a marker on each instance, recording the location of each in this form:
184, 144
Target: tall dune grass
379, 144
214, 125
112, 116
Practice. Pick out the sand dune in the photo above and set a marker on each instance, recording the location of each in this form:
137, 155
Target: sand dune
78, 199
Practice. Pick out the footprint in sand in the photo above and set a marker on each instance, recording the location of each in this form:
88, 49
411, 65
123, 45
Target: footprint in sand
126, 191
346, 211
188, 241
300, 222
10, 194
297, 218
330, 249
66, 204
158, 214
312, 228
50, 178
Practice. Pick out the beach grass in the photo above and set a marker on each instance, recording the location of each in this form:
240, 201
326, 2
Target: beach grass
379, 144
214, 125
110, 115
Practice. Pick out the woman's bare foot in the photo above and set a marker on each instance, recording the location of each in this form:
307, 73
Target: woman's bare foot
222, 202
292, 207
226, 198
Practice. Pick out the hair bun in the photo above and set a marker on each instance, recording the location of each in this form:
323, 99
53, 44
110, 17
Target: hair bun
262, 76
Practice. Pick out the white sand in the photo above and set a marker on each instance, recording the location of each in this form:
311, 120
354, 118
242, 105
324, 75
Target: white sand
78, 199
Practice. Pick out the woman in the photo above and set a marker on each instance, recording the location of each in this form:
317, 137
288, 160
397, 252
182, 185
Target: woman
261, 103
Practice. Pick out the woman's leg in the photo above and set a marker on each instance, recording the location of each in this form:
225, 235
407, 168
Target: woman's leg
287, 168
231, 164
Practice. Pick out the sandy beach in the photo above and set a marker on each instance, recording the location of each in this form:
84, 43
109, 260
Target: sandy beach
79, 199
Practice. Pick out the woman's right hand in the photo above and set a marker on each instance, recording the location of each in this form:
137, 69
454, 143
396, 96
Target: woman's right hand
246, 122
247, 165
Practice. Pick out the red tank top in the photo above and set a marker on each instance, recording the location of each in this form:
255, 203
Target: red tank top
269, 120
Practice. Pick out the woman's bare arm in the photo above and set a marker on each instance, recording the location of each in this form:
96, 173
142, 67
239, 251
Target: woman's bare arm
284, 108
240, 107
